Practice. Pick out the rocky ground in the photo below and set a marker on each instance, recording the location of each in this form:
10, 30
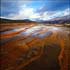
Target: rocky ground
34, 47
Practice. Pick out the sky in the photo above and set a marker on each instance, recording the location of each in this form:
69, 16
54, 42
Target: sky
34, 9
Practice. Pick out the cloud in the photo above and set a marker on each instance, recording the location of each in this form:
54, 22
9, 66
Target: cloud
61, 13
23, 13
53, 14
12, 6
34, 10
26, 12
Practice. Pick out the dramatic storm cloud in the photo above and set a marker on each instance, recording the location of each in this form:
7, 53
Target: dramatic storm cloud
34, 10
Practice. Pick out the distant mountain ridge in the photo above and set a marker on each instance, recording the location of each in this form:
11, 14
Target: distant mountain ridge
3, 20
57, 20
62, 18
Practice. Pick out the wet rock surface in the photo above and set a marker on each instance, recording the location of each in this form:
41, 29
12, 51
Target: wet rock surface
38, 47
